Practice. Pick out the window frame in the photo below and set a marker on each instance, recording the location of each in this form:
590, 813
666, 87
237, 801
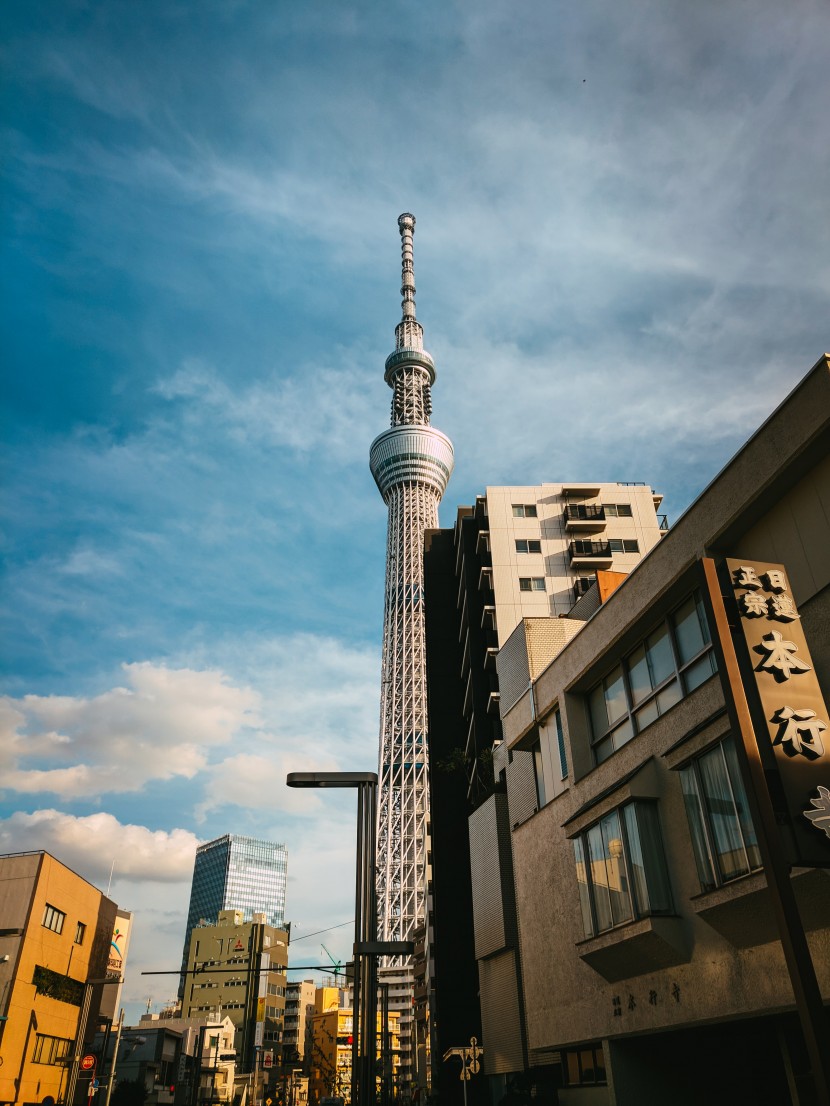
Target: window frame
535, 583
57, 1049
629, 720
655, 869
708, 864
80, 933
53, 918
618, 545
525, 510
576, 1054
528, 542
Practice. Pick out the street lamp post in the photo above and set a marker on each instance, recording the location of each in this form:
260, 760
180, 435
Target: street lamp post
365, 924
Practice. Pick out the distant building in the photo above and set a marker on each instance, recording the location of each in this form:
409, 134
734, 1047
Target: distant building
522, 552
154, 1056
203, 1050
237, 873
331, 1050
299, 1009
236, 968
56, 933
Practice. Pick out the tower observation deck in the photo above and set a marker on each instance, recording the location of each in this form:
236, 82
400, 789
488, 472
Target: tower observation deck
411, 463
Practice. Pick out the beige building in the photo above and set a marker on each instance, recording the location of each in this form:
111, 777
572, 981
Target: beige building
56, 933
648, 943
299, 1008
528, 552
237, 969
543, 543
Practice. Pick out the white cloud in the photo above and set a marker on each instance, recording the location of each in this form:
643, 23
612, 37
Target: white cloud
160, 726
97, 844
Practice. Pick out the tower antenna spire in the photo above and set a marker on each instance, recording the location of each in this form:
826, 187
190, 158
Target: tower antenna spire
409, 334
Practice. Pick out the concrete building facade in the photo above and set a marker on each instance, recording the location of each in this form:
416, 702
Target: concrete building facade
527, 551
645, 925
299, 1009
56, 932
237, 969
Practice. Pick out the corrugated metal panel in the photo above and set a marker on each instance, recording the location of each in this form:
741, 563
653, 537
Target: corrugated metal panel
512, 667
491, 870
501, 1023
521, 787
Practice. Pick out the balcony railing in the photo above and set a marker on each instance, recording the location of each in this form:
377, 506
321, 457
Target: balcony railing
589, 552
584, 512
585, 517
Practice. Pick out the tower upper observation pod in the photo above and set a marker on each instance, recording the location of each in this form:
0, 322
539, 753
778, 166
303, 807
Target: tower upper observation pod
402, 453
411, 463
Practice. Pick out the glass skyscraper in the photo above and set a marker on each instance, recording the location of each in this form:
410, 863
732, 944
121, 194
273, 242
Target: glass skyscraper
237, 873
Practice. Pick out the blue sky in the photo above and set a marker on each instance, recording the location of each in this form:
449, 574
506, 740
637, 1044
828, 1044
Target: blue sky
622, 266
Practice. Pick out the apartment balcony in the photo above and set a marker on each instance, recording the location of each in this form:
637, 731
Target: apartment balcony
483, 542
488, 617
584, 518
596, 554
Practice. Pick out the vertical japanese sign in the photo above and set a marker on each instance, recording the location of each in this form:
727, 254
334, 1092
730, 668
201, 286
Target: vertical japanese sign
789, 712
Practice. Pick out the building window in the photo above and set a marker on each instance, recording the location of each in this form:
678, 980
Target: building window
80, 933
672, 661
584, 1067
617, 510
528, 545
532, 583
50, 1050
539, 775
560, 742
53, 919
723, 836
624, 545
524, 510
621, 869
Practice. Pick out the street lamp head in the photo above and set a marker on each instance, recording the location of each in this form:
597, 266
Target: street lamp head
330, 779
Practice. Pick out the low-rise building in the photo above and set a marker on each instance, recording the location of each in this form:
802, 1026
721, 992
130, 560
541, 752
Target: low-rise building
648, 939
56, 933
237, 969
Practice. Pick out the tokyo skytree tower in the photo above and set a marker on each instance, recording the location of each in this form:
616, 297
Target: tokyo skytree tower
411, 463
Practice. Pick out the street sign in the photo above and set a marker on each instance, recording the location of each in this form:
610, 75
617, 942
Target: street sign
88, 1063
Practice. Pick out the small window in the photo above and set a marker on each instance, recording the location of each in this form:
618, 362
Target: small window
624, 545
53, 919
584, 1067
617, 510
539, 775
524, 510
723, 836
80, 933
621, 869
532, 583
560, 741
50, 1050
528, 545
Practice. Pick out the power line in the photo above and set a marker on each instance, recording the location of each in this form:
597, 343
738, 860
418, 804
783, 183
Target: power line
317, 932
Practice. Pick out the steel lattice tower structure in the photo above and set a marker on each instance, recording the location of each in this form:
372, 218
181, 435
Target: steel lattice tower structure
411, 463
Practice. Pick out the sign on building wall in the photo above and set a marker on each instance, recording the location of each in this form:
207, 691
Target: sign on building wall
789, 713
